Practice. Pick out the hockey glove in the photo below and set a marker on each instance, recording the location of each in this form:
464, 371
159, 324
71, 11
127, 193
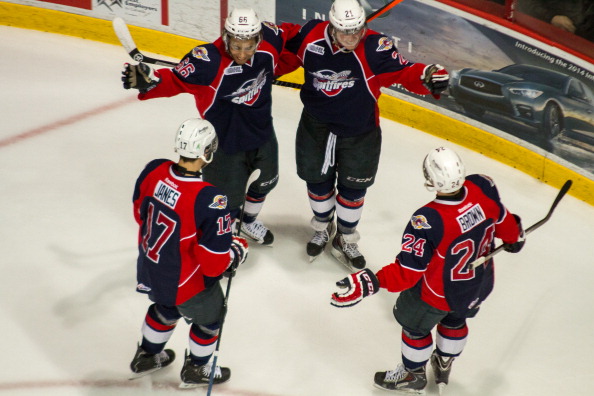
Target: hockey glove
359, 285
140, 77
238, 252
436, 79
519, 244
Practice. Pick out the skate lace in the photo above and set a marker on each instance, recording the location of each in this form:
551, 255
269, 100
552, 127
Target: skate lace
206, 369
255, 229
161, 357
320, 238
350, 249
396, 375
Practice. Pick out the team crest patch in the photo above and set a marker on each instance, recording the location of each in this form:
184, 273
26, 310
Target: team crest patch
419, 222
332, 83
219, 202
384, 44
271, 26
200, 53
249, 92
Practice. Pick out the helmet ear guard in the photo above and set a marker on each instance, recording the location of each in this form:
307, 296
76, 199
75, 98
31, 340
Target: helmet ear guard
444, 171
196, 138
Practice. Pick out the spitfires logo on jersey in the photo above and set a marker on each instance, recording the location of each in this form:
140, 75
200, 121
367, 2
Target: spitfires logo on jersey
200, 53
419, 222
219, 202
384, 44
332, 83
249, 92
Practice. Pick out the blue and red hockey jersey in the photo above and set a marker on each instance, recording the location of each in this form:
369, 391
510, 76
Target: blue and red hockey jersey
443, 238
341, 89
184, 235
236, 99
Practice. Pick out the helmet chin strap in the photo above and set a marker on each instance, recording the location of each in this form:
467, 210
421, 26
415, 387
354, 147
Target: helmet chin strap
340, 46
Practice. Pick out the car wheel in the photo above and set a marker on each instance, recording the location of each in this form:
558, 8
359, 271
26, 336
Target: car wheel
552, 124
473, 110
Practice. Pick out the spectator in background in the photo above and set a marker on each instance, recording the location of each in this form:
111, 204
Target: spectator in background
574, 16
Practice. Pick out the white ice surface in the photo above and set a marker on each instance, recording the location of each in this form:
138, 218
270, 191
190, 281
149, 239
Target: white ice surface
72, 143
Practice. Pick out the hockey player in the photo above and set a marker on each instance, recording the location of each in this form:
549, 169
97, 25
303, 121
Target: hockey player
184, 246
438, 286
231, 81
339, 137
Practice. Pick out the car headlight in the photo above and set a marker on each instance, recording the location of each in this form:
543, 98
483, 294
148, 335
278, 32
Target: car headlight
528, 93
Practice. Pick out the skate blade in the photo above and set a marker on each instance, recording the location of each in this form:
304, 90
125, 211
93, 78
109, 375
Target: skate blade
135, 376
188, 385
441, 388
341, 257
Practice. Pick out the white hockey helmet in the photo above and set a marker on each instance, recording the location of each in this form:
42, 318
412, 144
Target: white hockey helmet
444, 171
242, 24
196, 138
347, 16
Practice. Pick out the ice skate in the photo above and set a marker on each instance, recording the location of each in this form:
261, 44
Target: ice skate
193, 376
258, 232
402, 380
324, 231
145, 363
345, 249
442, 366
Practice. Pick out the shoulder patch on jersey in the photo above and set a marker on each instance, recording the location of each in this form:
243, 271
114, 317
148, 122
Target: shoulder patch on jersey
384, 44
316, 49
200, 53
142, 288
419, 222
219, 202
271, 26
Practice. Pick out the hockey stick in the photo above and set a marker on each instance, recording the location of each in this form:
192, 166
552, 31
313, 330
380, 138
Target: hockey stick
123, 33
377, 13
253, 177
533, 227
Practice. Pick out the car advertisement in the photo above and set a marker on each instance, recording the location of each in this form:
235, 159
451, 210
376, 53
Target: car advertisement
498, 77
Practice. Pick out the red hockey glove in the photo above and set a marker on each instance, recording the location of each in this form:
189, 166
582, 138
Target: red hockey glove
436, 79
238, 252
519, 244
140, 77
359, 285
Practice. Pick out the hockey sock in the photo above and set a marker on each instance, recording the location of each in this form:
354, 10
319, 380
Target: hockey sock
451, 341
253, 205
159, 324
322, 199
416, 349
203, 341
349, 207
